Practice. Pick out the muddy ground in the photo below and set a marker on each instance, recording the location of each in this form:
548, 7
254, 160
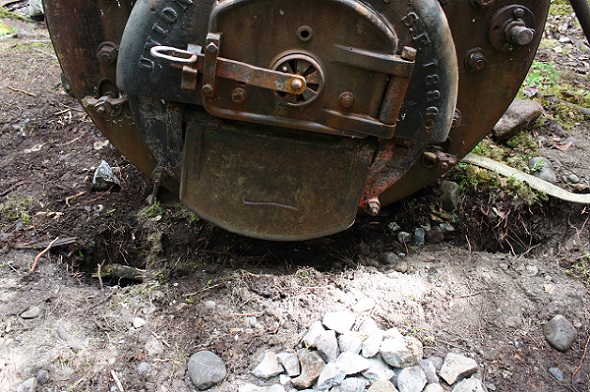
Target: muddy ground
486, 290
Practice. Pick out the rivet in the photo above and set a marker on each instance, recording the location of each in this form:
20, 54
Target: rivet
409, 53
207, 90
296, 84
211, 48
238, 95
346, 99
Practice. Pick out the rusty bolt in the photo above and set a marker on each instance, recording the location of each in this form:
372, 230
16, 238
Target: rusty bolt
346, 99
521, 35
212, 48
409, 53
481, 3
207, 90
296, 84
373, 207
476, 61
107, 52
238, 95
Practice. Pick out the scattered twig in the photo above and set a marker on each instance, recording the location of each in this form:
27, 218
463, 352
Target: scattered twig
41, 254
203, 290
580, 364
11, 188
41, 245
18, 90
100, 277
119, 385
67, 200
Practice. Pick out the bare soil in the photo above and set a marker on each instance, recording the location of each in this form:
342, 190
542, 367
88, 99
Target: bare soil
486, 290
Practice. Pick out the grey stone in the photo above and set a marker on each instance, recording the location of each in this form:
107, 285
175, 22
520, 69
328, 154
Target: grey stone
429, 370
352, 363
574, 179
382, 386
268, 367
210, 305
42, 376
364, 305
457, 367
378, 370
518, 116
449, 197
154, 347
330, 376
371, 344
29, 385
143, 368
138, 322
75, 343
290, 362
350, 342
327, 345
403, 237
447, 227
557, 373
31, 313
340, 322
276, 388
436, 361
470, 385
104, 178
435, 235
401, 266
313, 332
206, 369
311, 367
401, 351
419, 236
393, 227
542, 168
433, 388
411, 379
354, 384
560, 333
389, 258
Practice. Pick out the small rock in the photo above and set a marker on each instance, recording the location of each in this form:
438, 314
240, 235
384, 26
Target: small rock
436, 361
449, 197
403, 237
290, 362
276, 388
330, 376
354, 384
429, 370
251, 388
433, 388
470, 385
371, 344
104, 178
382, 386
42, 376
350, 342
518, 116
154, 347
340, 322
268, 367
560, 333
378, 371
491, 387
393, 227
389, 258
31, 313
446, 227
532, 270
574, 179
206, 369
314, 331
401, 352
456, 367
311, 367
401, 266
411, 379
143, 368
210, 305
557, 373
542, 168
327, 345
419, 236
29, 385
352, 363
138, 322
435, 235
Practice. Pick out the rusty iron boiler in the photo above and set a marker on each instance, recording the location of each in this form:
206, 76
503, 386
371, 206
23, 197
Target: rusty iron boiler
281, 119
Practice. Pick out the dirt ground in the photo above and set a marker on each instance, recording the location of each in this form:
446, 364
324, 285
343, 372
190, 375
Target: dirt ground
486, 290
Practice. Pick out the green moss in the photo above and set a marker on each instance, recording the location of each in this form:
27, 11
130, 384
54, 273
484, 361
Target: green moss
5, 29
4, 13
580, 268
560, 8
152, 211
15, 209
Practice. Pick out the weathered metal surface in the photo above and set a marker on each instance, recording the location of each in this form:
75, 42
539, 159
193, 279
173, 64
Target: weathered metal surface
420, 85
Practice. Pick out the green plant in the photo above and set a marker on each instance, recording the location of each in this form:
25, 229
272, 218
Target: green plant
581, 268
152, 211
543, 75
17, 209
